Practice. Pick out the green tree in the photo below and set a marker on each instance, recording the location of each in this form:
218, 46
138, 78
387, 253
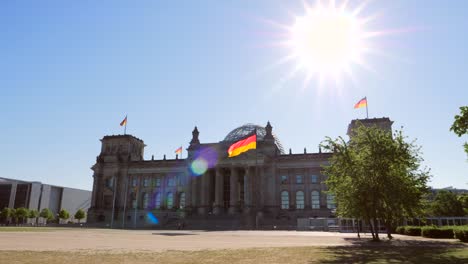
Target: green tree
376, 176
463, 198
22, 214
5, 214
446, 203
46, 214
80, 214
33, 214
460, 125
64, 214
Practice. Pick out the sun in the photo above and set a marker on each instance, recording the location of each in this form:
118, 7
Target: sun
326, 40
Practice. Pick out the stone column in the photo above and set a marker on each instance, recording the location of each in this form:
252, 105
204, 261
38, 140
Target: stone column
203, 206
94, 193
188, 189
234, 191
247, 190
11, 203
193, 185
219, 191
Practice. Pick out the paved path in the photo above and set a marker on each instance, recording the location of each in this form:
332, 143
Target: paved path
157, 240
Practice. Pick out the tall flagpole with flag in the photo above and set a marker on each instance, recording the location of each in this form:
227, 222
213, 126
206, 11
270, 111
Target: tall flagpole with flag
362, 103
124, 123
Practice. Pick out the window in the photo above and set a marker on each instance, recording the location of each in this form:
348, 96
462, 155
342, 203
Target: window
109, 182
134, 200
314, 178
284, 179
299, 200
182, 200
171, 182
145, 182
145, 200
134, 182
157, 200
331, 201
315, 200
299, 179
284, 200
170, 200
158, 182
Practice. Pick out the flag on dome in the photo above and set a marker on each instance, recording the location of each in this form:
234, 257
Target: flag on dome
243, 145
361, 103
179, 150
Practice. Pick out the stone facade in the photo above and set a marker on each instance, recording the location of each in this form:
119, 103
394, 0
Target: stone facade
262, 188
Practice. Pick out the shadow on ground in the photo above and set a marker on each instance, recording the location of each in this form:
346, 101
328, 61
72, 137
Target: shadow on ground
397, 251
173, 234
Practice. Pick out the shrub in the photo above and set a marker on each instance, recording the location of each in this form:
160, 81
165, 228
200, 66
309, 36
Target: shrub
413, 230
400, 230
461, 233
435, 232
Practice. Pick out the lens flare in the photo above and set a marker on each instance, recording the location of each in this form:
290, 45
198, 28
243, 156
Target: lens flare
199, 166
152, 218
204, 159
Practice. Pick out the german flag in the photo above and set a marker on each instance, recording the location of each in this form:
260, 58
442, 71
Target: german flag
361, 103
243, 145
124, 122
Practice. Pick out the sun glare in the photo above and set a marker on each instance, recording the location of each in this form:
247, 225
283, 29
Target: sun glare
326, 40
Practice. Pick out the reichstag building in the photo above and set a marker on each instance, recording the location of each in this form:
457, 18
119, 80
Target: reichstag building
265, 188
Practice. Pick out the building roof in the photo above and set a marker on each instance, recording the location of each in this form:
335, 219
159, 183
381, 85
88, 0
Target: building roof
246, 129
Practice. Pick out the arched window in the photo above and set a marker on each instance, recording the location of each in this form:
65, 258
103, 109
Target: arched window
170, 200
284, 200
315, 200
182, 200
145, 200
331, 201
157, 202
299, 200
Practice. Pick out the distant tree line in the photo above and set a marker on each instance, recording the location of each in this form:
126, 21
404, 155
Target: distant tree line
19, 216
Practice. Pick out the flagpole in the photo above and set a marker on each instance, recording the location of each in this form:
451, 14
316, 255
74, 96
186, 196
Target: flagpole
126, 120
367, 111
136, 204
256, 178
113, 201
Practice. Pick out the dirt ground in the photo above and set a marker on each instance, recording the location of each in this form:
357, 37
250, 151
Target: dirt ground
158, 241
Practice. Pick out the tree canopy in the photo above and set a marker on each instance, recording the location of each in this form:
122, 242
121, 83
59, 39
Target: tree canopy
47, 214
460, 125
64, 214
22, 213
376, 175
446, 203
80, 214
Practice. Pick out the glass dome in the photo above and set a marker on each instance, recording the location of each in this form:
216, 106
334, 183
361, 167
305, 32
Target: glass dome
246, 129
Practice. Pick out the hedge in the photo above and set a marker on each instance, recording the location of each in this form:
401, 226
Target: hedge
413, 230
458, 232
400, 230
435, 232
461, 232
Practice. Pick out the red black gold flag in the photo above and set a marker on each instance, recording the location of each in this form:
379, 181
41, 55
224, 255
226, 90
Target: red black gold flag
361, 103
124, 122
243, 145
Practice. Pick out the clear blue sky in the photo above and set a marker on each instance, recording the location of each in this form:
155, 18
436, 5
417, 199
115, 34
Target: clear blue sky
71, 70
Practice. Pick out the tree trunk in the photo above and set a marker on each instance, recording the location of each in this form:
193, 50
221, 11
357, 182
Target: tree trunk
376, 230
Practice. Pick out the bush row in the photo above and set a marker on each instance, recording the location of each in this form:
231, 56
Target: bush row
459, 232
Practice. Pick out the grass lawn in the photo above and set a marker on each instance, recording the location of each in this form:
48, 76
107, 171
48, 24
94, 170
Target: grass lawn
345, 254
30, 228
